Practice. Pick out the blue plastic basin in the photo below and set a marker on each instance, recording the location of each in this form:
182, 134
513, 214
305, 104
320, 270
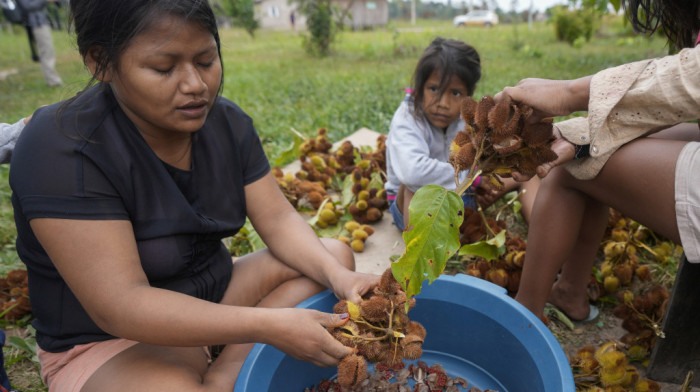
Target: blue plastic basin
475, 331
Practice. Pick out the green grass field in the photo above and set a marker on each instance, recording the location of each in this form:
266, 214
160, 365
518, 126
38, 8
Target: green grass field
359, 85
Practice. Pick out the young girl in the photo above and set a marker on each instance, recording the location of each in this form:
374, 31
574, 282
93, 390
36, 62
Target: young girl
122, 195
422, 129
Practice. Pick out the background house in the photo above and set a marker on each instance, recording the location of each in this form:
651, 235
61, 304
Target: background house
275, 14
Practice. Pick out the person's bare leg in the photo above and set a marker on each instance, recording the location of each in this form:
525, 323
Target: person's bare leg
554, 227
569, 292
527, 198
642, 189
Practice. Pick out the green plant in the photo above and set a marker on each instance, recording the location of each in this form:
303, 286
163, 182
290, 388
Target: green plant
320, 24
243, 14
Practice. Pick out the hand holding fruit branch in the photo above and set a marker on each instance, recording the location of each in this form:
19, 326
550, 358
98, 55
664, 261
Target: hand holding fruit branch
497, 141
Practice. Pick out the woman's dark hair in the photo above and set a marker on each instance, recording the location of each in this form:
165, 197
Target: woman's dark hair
110, 26
677, 18
451, 58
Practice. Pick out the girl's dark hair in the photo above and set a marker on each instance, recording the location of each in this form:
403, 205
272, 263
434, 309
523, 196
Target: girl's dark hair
110, 26
678, 19
451, 58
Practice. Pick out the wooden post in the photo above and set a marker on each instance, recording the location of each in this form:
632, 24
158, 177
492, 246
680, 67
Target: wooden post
679, 352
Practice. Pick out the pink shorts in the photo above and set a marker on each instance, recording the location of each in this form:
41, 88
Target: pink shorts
68, 371
688, 200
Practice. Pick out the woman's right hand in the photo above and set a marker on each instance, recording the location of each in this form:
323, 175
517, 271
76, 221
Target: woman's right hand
302, 334
549, 98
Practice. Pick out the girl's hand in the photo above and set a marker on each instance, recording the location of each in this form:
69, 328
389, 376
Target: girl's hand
486, 194
351, 286
301, 334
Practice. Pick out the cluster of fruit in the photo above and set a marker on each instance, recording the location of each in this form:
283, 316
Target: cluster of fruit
622, 259
358, 234
641, 317
370, 201
322, 183
476, 226
607, 369
504, 271
14, 296
418, 377
380, 331
498, 140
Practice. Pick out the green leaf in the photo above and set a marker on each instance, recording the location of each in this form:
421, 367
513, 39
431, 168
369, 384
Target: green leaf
331, 231
347, 196
480, 249
551, 311
517, 206
292, 152
489, 250
28, 345
375, 181
431, 237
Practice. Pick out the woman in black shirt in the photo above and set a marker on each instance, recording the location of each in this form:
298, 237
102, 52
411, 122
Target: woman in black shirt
122, 196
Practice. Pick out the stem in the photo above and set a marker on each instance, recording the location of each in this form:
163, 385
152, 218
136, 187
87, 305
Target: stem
483, 219
500, 210
367, 323
461, 188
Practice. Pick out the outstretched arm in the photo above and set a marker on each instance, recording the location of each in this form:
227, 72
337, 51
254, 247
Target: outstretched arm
550, 98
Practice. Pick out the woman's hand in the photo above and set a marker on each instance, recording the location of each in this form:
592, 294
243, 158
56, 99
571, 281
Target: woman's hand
565, 152
351, 286
302, 334
549, 98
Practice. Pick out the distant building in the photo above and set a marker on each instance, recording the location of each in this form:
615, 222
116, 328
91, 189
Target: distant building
276, 14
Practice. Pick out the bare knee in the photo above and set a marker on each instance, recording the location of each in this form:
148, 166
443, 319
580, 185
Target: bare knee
341, 251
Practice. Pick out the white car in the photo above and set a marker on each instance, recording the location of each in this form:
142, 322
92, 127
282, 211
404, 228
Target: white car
484, 18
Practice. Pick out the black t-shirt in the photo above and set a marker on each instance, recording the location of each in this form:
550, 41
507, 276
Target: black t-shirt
93, 164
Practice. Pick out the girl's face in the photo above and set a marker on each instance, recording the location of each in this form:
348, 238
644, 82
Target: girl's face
441, 111
168, 78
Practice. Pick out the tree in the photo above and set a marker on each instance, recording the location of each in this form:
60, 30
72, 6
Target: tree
320, 25
243, 14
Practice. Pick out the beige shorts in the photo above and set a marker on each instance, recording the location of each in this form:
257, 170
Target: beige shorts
688, 200
68, 371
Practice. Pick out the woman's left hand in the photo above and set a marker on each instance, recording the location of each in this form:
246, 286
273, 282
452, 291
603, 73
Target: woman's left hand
351, 286
565, 152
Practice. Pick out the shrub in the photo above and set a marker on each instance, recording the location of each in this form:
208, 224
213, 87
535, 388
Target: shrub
572, 25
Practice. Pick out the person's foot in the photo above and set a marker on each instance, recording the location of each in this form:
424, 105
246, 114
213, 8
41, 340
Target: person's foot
576, 307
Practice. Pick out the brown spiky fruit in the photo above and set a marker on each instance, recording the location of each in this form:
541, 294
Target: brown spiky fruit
352, 370
375, 309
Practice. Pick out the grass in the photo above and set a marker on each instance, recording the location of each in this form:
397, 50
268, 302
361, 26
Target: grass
281, 87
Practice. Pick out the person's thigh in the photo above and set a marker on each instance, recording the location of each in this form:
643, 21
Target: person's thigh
258, 274
638, 180
145, 367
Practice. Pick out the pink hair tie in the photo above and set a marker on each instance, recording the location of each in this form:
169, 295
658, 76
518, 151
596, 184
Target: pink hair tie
476, 182
409, 90
697, 40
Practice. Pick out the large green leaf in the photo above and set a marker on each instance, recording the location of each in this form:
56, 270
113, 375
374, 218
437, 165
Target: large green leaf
431, 237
